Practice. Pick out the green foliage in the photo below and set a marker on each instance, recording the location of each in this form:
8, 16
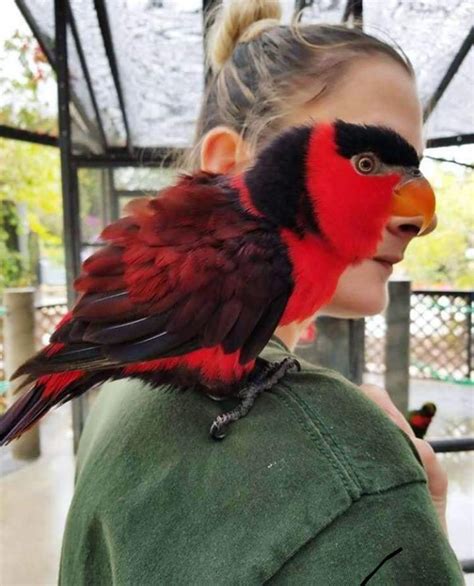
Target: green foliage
25, 103
29, 173
441, 259
14, 271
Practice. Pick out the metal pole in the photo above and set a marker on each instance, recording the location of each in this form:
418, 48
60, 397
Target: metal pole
354, 9
208, 7
71, 211
469, 308
87, 77
433, 143
357, 350
113, 196
103, 20
462, 444
117, 157
450, 73
19, 346
397, 349
300, 5
27, 136
340, 346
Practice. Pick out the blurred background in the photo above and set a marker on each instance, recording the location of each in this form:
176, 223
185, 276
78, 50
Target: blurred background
127, 106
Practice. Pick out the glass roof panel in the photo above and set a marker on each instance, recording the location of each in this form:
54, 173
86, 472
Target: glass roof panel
42, 13
429, 32
25, 105
160, 59
144, 179
327, 11
99, 71
159, 53
454, 113
82, 101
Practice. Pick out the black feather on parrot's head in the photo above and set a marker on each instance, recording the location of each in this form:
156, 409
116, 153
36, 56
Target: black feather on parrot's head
342, 181
384, 143
429, 409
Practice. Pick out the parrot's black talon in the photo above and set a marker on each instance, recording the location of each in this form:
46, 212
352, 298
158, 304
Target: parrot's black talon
276, 370
218, 429
296, 364
273, 372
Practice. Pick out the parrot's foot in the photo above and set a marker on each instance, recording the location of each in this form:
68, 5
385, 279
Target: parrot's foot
265, 380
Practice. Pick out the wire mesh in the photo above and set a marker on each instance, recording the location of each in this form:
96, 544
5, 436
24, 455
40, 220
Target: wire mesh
441, 337
47, 318
375, 332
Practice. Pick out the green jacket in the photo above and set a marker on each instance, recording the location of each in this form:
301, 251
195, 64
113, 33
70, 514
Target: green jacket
314, 486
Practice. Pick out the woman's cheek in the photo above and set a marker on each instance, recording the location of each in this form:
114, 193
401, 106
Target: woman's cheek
361, 291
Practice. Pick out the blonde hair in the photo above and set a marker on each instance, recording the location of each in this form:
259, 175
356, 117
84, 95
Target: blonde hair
262, 70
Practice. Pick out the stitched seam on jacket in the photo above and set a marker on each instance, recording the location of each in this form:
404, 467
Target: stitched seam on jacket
338, 452
308, 426
344, 512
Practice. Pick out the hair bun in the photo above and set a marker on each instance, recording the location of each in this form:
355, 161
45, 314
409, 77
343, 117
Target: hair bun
239, 21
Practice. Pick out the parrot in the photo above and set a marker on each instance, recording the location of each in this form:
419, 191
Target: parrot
420, 419
192, 282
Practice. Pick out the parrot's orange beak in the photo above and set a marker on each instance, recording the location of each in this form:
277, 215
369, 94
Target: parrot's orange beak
415, 197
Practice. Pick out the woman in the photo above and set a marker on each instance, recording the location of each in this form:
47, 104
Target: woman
317, 486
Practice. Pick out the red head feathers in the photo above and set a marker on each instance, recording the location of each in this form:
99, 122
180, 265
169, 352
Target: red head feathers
342, 181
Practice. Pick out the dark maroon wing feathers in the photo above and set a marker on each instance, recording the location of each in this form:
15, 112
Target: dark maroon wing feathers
184, 271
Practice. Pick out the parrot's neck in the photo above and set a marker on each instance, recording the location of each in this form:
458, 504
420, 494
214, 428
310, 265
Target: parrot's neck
316, 271
282, 203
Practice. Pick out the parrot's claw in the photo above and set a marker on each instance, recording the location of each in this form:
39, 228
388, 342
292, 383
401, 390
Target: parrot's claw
265, 380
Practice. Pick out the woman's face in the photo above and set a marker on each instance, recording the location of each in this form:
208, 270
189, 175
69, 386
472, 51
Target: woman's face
374, 90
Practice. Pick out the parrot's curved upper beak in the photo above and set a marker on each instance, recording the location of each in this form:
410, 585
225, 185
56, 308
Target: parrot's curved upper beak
414, 196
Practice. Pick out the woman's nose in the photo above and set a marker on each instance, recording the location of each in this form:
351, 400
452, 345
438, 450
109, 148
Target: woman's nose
408, 228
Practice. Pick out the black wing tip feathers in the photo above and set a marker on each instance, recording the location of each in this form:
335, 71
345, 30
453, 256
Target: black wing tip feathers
21, 415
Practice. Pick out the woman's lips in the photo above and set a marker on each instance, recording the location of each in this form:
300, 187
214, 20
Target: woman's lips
387, 261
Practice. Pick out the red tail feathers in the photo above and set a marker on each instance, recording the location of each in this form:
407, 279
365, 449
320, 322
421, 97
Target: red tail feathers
48, 391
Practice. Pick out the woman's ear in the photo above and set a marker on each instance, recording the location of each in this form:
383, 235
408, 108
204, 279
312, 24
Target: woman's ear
223, 151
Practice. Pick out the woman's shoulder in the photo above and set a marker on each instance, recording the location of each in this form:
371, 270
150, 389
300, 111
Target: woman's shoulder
366, 448
313, 420
147, 468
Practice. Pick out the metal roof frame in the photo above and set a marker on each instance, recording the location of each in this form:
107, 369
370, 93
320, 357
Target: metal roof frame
458, 140
148, 157
103, 20
355, 10
85, 69
69, 180
464, 49
52, 61
28, 136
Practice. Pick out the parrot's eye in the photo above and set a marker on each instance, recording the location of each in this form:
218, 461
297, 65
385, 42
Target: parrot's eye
366, 164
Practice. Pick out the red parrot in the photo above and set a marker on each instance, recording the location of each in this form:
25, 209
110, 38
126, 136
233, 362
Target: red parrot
192, 283
420, 419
